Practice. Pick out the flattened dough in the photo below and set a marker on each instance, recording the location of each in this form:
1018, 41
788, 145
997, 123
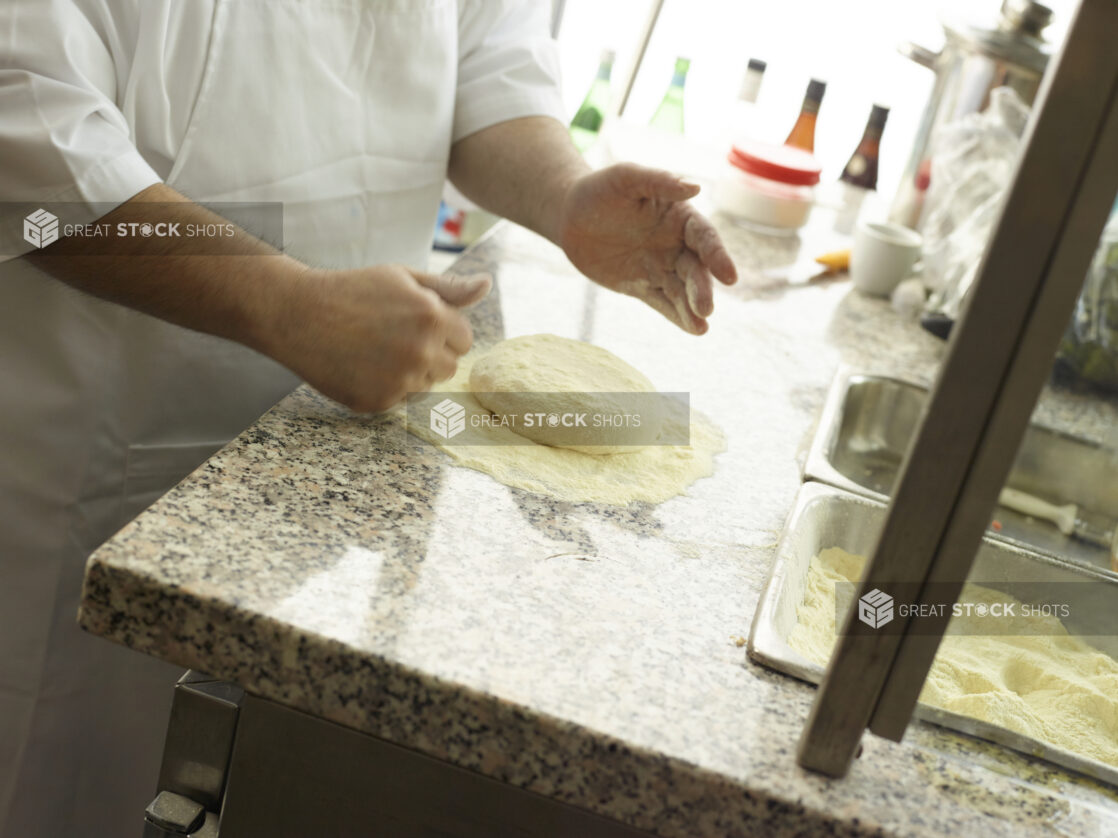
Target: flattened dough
554, 375
652, 474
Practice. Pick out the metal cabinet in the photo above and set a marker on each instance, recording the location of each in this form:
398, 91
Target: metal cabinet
240, 766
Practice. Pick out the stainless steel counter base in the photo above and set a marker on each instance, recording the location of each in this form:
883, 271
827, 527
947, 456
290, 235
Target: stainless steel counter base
293, 776
239, 766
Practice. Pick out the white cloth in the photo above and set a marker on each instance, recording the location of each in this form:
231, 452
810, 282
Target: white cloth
345, 112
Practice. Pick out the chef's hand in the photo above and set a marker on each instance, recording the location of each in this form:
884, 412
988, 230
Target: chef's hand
631, 229
370, 336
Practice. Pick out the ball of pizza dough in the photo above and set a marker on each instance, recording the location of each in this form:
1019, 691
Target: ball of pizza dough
569, 394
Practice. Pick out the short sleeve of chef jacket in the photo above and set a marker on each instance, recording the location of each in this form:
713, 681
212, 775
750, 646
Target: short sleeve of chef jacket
62, 138
508, 65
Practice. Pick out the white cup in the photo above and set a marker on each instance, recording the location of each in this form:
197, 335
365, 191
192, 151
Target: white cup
883, 255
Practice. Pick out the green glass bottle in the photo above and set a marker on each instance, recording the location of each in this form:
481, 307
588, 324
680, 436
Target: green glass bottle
588, 120
669, 116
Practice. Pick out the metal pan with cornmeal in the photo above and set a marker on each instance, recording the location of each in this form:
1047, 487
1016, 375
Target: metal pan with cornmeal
1068, 716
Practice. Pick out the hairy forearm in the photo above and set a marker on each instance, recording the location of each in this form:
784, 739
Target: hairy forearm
520, 169
239, 289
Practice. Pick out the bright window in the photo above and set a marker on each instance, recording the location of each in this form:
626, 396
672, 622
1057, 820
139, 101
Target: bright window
851, 44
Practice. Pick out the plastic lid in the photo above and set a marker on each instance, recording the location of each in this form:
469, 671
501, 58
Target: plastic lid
781, 163
757, 64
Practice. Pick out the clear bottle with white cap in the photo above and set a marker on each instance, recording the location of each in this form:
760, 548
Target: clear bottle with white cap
744, 123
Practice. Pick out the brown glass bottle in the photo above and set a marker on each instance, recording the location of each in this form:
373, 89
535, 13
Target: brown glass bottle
803, 132
861, 169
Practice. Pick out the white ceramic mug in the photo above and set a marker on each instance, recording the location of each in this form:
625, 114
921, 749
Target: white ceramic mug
883, 255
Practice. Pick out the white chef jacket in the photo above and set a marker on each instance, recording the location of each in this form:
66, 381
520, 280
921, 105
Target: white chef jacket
344, 111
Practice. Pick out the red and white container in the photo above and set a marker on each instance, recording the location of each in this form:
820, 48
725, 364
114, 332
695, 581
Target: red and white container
769, 186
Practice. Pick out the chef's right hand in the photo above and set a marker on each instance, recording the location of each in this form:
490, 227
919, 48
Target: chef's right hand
368, 337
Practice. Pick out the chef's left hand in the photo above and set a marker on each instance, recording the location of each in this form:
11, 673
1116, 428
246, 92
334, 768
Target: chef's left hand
632, 230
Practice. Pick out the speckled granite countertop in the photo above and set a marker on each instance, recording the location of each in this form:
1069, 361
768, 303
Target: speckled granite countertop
592, 654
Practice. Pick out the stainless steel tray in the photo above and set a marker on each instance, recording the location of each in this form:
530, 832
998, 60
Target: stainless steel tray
824, 516
865, 429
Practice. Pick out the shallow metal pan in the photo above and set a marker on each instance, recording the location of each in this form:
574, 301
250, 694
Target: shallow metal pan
865, 429
824, 516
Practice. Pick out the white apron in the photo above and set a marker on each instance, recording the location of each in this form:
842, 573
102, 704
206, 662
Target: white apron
341, 110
